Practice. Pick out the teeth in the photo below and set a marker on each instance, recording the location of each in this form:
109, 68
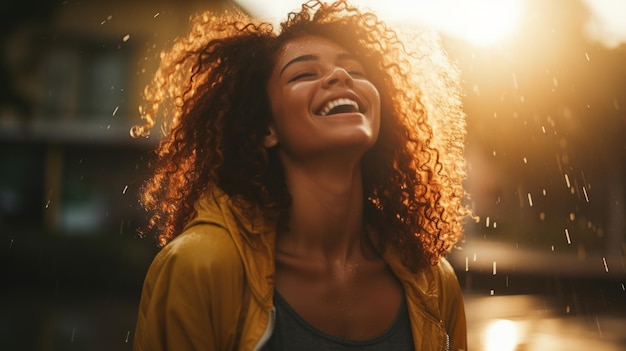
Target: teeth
332, 104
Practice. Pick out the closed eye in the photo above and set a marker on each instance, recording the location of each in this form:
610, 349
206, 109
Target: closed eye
359, 74
301, 76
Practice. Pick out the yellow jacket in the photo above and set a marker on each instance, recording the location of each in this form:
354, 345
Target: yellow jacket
212, 287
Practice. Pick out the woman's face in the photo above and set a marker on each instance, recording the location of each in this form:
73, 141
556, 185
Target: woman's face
322, 101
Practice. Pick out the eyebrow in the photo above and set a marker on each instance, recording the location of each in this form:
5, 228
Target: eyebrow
310, 57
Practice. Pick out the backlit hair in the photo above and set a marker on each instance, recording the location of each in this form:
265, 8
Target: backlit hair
210, 90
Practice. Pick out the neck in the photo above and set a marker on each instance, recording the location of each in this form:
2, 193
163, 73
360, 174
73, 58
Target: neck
326, 215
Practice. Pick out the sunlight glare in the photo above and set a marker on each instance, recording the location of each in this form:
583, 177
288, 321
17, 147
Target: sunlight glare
501, 335
606, 23
481, 22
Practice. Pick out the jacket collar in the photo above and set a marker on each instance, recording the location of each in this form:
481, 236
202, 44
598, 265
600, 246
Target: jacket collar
253, 237
255, 240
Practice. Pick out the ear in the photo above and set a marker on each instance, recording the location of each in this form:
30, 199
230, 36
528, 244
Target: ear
270, 140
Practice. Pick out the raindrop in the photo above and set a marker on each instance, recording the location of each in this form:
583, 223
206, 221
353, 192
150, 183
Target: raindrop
525, 160
530, 200
599, 328
586, 196
544, 192
115, 111
127, 336
47, 203
156, 15
73, 334
569, 240
11, 244
467, 266
124, 191
572, 216
587, 56
126, 37
552, 247
494, 267
567, 181
487, 222
606, 267
543, 129
476, 89
493, 292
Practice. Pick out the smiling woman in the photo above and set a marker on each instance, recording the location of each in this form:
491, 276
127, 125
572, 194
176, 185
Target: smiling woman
301, 195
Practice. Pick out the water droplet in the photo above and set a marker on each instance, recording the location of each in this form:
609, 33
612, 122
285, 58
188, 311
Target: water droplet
606, 267
530, 200
156, 15
567, 181
587, 56
127, 337
569, 240
586, 196
494, 267
124, 191
115, 111
126, 37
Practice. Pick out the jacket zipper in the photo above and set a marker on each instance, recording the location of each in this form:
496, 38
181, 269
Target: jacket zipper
268, 331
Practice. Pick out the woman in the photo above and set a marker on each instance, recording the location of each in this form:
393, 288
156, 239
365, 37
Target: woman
303, 196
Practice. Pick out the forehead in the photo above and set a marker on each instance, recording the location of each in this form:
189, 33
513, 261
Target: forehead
308, 45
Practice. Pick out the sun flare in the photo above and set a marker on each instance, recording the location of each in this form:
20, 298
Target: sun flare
481, 22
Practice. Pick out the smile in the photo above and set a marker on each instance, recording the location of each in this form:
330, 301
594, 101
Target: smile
342, 105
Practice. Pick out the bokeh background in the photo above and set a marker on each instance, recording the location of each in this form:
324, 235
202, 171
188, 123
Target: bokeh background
545, 94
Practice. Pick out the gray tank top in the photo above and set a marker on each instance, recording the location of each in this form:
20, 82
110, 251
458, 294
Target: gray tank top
291, 332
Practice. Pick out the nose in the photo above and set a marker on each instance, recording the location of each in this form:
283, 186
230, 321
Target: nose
338, 76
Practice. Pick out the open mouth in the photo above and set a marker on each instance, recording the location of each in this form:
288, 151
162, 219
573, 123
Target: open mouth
342, 105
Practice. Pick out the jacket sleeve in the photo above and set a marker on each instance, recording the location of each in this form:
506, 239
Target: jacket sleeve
452, 306
189, 298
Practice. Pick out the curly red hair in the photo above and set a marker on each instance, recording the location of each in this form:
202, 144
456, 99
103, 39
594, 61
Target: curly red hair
212, 85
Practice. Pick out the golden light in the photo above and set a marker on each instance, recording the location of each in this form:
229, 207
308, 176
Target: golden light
606, 23
501, 335
481, 22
